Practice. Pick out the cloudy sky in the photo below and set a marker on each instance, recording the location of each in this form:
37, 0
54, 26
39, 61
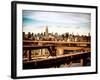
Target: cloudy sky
60, 22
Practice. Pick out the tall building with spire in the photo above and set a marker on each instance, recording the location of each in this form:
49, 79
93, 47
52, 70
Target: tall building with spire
46, 31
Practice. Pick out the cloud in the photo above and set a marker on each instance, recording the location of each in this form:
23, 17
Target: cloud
56, 21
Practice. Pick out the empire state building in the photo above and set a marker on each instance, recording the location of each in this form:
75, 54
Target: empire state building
46, 31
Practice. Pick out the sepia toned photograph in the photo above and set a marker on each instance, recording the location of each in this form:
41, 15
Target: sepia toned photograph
56, 39
51, 39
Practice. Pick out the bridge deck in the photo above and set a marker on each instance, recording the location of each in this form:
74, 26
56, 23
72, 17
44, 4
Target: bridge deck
60, 56
27, 47
59, 42
57, 61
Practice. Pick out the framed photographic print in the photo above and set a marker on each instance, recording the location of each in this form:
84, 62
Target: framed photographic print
50, 39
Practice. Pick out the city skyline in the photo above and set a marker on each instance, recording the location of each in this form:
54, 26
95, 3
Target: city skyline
57, 22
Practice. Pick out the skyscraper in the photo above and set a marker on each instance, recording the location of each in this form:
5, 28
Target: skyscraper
46, 31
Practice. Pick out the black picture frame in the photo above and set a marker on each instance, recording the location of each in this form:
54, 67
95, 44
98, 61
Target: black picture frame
14, 38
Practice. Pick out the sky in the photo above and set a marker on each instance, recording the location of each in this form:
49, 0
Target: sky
60, 22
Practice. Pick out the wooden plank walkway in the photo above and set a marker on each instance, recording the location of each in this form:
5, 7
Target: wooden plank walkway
57, 60
55, 42
61, 56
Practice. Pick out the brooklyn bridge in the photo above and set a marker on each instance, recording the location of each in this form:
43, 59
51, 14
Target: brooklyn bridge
55, 54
